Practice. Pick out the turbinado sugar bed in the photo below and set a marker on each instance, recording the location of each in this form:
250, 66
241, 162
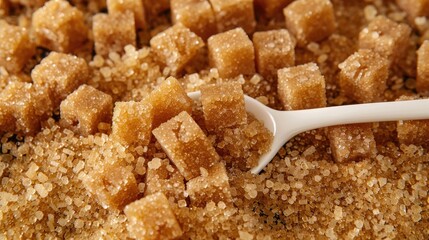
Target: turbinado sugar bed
99, 139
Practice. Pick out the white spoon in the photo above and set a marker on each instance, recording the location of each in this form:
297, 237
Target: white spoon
286, 124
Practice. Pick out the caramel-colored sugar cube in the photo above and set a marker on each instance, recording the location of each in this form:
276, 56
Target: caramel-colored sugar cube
132, 122
413, 132
231, 14
232, 53
271, 7
152, 218
414, 8
301, 87
363, 76
351, 142
386, 37
162, 177
134, 6
197, 15
113, 185
223, 105
85, 108
176, 46
274, 50
422, 81
211, 187
310, 20
168, 100
112, 32
15, 47
22, 107
58, 26
186, 145
61, 73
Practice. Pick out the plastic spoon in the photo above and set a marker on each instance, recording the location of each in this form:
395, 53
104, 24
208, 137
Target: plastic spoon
286, 124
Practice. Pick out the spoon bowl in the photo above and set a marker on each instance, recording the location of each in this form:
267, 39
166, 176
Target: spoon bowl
284, 125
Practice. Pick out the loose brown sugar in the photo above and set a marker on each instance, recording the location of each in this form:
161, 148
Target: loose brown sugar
112, 32
274, 50
135, 6
58, 26
363, 76
15, 48
304, 193
211, 186
385, 37
197, 15
61, 74
85, 109
223, 106
310, 26
301, 87
186, 145
152, 218
232, 14
232, 53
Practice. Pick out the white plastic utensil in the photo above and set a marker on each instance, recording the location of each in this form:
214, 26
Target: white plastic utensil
286, 124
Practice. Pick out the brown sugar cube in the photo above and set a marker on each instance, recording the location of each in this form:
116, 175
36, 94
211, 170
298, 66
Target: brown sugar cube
301, 87
132, 122
152, 218
197, 15
351, 142
363, 76
310, 20
165, 178
59, 27
112, 32
413, 132
85, 108
223, 105
113, 185
22, 107
122, 6
271, 7
231, 14
168, 100
232, 53
385, 37
414, 8
61, 73
274, 50
15, 47
186, 145
422, 81
176, 46
211, 187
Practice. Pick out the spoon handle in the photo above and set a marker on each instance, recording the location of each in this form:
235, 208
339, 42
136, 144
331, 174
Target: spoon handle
303, 120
